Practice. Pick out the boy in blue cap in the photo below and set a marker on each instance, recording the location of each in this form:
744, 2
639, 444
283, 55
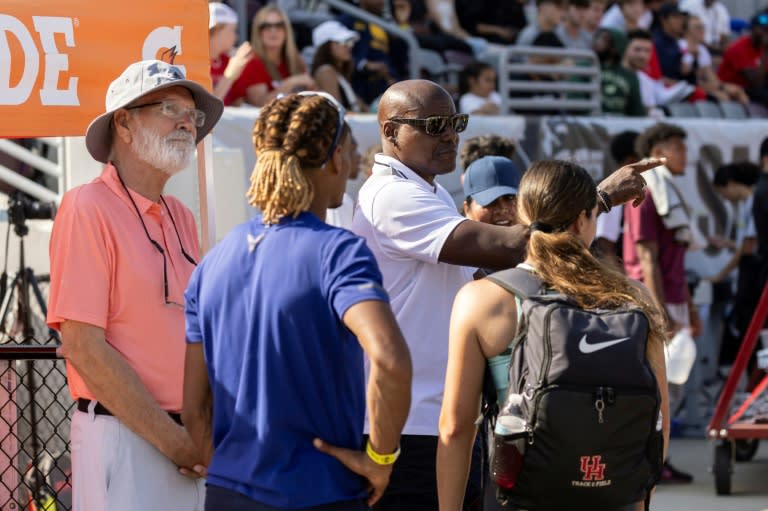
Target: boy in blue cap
490, 191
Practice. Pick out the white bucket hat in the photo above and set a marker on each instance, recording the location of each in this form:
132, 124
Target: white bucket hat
139, 79
332, 31
220, 14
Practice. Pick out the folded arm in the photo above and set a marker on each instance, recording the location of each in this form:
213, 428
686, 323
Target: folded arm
116, 385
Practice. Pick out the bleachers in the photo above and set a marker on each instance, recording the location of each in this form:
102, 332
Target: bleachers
733, 110
711, 110
576, 88
576, 91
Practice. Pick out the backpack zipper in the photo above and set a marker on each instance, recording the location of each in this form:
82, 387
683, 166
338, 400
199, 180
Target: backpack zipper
547, 362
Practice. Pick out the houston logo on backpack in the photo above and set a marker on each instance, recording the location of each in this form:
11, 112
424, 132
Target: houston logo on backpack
593, 473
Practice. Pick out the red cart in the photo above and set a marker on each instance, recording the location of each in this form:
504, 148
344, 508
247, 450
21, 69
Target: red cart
738, 439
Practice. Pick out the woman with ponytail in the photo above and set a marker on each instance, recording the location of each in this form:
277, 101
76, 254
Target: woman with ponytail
559, 202
279, 314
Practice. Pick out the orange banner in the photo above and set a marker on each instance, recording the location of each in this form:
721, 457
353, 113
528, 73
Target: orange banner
57, 57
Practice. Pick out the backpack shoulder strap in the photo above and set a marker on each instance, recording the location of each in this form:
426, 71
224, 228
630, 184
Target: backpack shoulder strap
489, 408
518, 281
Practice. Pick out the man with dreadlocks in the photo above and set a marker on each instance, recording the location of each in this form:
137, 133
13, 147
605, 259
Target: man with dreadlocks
277, 314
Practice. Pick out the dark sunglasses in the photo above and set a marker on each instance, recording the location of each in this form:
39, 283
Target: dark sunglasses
435, 125
267, 26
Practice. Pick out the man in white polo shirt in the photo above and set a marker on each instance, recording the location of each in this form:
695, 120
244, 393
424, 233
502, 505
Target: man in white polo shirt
426, 252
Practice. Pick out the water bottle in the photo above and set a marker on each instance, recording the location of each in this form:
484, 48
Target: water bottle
510, 438
680, 357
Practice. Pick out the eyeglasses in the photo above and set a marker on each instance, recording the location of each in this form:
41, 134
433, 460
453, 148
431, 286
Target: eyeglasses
176, 112
435, 125
339, 122
275, 26
158, 246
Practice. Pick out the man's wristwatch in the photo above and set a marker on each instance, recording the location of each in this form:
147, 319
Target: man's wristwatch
381, 459
604, 201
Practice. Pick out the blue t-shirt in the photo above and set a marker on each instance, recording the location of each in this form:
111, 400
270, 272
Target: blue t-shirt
267, 305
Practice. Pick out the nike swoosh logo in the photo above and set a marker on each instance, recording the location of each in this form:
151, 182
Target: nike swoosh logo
587, 348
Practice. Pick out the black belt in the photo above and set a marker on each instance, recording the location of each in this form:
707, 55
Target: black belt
84, 404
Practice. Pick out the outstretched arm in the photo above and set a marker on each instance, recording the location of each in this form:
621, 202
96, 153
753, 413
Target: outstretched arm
485, 246
626, 184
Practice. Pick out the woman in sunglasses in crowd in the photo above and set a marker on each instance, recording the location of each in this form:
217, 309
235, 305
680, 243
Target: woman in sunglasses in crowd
273, 312
332, 65
276, 67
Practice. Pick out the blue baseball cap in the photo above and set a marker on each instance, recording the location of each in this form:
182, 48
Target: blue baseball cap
489, 178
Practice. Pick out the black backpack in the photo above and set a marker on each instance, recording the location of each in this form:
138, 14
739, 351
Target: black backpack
590, 404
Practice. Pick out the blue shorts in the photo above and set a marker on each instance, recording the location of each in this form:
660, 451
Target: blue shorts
223, 499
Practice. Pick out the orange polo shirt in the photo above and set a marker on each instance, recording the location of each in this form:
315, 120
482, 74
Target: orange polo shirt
105, 272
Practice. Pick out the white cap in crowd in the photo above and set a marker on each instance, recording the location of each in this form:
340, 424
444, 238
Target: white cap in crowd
332, 31
220, 14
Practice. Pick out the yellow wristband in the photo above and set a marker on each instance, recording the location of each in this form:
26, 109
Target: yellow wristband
381, 459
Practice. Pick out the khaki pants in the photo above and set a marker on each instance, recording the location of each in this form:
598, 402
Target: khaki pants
116, 470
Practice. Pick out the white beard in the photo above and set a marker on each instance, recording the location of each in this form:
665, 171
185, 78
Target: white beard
170, 154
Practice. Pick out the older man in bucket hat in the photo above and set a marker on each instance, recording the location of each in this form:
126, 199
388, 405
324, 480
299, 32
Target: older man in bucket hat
121, 254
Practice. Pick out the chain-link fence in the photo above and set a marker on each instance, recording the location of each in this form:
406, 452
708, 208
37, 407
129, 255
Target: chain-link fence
35, 406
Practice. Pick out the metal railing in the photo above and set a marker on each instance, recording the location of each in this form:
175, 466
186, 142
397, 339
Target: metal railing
52, 167
572, 87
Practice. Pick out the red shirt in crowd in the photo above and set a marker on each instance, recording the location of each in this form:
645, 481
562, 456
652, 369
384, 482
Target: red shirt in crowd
654, 68
643, 223
739, 56
217, 68
254, 73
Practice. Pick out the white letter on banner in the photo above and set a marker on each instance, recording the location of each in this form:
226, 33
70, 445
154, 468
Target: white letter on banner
56, 62
19, 94
163, 38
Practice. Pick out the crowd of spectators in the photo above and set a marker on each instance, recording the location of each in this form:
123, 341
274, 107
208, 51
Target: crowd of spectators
652, 53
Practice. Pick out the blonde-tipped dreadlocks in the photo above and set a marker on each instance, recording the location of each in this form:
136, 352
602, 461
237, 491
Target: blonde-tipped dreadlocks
291, 136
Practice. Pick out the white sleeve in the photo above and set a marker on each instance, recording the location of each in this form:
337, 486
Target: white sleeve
527, 36
647, 91
705, 58
412, 222
468, 103
646, 20
609, 224
612, 18
342, 215
750, 231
